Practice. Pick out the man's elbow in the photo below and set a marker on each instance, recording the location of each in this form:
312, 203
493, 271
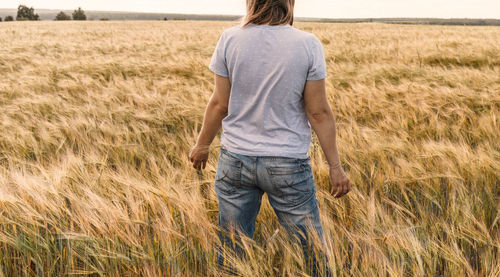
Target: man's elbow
319, 116
220, 109
223, 110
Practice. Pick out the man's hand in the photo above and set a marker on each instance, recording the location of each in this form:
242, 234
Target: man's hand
340, 182
199, 156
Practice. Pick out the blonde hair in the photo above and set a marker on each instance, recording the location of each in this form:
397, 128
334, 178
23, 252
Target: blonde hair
269, 12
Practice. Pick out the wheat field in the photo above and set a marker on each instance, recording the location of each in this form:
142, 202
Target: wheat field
97, 120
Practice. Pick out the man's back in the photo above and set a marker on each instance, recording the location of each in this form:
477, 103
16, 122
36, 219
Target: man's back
270, 93
268, 67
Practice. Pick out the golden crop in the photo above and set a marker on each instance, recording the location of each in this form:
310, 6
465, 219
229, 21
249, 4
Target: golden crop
97, 119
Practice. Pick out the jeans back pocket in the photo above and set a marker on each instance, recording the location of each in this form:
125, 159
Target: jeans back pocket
293, 182
228, 175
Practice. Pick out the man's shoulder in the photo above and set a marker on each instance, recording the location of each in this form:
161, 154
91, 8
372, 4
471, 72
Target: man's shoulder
303, 33
232, 30
308, 37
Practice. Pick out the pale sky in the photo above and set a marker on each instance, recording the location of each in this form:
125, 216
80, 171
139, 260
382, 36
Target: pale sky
303, 8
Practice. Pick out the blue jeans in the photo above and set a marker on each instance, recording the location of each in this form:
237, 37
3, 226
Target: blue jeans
241, 181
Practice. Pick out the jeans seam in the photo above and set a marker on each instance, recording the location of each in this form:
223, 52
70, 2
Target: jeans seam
255, 175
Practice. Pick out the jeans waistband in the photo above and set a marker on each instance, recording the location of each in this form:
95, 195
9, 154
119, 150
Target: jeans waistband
268, 158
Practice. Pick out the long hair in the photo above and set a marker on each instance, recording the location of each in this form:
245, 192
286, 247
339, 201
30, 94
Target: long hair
269, 12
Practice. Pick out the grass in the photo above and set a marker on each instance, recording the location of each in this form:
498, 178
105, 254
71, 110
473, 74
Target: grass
98, 118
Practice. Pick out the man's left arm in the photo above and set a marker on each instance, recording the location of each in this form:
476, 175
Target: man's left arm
216, 111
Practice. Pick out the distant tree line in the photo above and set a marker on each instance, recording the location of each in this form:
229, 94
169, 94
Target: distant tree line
62, 16
8, 18
78, 14
24, 14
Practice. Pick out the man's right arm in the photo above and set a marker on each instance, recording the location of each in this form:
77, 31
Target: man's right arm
322, 120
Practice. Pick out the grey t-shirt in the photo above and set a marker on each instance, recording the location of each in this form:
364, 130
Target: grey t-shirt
268, 67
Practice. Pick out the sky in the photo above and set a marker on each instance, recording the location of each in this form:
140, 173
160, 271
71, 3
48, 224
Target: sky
303, 8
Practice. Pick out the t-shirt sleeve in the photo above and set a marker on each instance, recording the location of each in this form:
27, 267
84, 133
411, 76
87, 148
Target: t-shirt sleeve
218, 63
317, 63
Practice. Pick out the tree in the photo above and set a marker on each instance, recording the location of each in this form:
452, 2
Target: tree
79, 15
62, 16
0, 19
9, 18
25, 13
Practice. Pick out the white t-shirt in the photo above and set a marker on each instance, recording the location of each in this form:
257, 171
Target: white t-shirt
268, 67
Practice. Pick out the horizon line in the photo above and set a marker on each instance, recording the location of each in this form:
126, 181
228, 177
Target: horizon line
241, 15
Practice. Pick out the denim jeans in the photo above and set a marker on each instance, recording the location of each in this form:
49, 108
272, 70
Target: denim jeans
240, 183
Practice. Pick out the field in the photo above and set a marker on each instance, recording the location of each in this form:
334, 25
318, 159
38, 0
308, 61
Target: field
97, 120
